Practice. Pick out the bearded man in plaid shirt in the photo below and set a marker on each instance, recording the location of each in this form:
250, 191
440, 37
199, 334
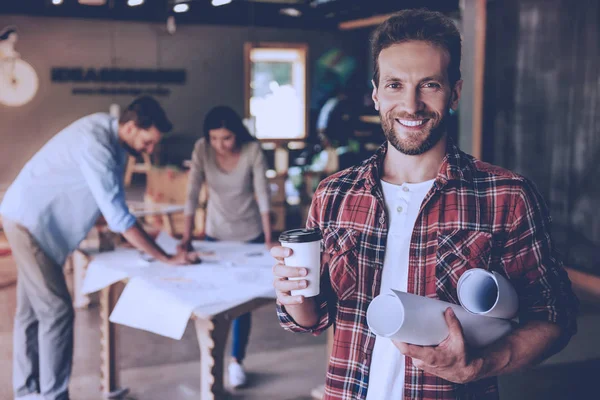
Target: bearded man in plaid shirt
414, 217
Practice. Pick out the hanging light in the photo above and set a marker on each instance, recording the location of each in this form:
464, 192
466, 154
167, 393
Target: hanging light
57, 2
181, 7
292, 12
218, 3
133, 3
95, 3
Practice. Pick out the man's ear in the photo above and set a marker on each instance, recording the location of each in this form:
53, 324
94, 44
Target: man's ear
374, 95
455, 96
129, 128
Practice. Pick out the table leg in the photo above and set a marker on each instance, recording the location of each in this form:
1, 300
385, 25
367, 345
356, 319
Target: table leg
109, 374
168, 224
80, 263
212, 336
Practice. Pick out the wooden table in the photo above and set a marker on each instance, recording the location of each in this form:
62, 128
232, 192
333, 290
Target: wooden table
78, 261
212, 325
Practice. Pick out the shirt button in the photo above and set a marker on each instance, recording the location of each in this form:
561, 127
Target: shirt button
399, 209
405, 189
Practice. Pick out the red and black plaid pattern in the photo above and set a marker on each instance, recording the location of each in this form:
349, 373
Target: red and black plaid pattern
475, 216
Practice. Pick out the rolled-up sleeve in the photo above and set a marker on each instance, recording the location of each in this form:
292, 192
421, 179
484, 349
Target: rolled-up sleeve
196, 178
104, 177
326, 297
532, 263
261, 188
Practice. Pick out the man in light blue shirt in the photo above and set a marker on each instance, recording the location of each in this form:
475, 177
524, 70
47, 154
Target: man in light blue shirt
48, 210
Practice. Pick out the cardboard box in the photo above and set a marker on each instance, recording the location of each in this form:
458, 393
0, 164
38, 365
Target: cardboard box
169, 185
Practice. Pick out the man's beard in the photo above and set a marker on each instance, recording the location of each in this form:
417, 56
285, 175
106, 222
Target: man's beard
130, 149
422, 141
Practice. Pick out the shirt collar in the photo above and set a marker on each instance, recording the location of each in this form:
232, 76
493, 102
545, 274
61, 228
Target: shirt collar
456, 166
114, 127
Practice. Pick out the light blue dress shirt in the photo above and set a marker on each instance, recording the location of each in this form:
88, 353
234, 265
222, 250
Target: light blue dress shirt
62, 190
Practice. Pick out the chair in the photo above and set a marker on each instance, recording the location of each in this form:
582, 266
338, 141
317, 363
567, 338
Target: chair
133, 167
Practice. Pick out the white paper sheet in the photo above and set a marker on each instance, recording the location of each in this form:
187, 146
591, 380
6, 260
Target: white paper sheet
142, 306
234, 253
420, 320
242, 273
97, 278
109, 267
167, 242
201, 285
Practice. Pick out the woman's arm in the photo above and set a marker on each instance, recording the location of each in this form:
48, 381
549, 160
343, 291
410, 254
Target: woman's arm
261, 190
195, 181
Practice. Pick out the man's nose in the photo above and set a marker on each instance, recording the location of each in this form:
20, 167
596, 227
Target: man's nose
411, 101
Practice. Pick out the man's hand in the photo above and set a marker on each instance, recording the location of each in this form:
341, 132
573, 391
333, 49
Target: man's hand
283, 286
448, 360
185, 245
303, 310
183, 258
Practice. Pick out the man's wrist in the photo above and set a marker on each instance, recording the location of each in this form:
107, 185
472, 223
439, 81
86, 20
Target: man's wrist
476, 369
303, 314
164, 258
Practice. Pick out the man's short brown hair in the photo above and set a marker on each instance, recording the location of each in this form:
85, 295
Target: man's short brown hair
146, 112
424, 25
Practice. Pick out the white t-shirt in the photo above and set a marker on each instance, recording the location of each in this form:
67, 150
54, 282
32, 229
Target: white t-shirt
403, 202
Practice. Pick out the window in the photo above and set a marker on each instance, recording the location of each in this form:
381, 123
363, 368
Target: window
275, 89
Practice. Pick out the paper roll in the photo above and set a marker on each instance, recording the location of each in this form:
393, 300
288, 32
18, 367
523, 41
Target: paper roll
420, 320
487, 293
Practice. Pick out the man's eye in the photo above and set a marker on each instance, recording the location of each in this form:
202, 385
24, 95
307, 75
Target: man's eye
431, 85
394, 85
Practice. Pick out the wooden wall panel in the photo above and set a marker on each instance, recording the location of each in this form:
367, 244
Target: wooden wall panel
542, 110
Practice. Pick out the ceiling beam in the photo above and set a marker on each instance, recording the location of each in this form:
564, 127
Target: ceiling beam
363, 22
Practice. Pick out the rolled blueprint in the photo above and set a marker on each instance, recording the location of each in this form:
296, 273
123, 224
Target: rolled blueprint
487, 293
420, 320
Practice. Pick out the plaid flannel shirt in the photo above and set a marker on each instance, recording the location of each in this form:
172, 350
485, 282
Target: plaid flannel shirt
475, 216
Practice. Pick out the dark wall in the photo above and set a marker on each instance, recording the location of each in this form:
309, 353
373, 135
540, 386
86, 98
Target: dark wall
542, 110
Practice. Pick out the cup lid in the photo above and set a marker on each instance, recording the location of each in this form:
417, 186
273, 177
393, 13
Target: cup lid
300, 235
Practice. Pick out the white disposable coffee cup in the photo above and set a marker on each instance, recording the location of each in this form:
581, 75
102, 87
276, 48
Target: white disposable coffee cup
306, 253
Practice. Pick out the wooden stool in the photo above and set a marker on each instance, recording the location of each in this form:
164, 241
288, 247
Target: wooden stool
133, 167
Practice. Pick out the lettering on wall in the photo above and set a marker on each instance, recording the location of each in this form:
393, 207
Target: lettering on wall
122, 81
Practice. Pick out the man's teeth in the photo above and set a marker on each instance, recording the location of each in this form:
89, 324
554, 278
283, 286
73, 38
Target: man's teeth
411, 123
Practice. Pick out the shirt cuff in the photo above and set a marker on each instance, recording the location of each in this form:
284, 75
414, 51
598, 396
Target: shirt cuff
287, 322
122, 224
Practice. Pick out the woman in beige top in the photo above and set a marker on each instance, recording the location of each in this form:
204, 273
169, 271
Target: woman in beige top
232, 164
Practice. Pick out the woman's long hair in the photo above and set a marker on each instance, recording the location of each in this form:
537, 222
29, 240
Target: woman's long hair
225, 117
